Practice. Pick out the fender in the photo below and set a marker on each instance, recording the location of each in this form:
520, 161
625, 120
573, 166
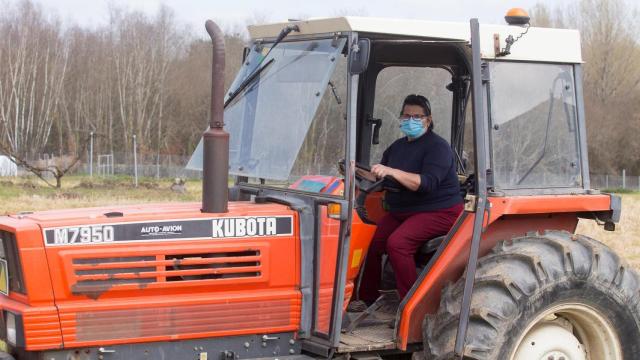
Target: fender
509, 217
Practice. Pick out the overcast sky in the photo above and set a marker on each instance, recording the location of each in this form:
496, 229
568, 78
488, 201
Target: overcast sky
237, 12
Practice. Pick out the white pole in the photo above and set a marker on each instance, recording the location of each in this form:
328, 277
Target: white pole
91, 154
624, 179
135, 161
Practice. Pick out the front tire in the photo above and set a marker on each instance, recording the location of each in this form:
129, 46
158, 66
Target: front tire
550, 296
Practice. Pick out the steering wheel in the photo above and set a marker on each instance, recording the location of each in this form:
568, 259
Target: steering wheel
368, 182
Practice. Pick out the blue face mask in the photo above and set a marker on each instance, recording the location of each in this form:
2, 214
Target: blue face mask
412, 127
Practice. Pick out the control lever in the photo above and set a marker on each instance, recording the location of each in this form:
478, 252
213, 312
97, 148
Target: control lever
377, 123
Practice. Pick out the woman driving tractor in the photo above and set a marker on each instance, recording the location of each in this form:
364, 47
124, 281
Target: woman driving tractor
425, 208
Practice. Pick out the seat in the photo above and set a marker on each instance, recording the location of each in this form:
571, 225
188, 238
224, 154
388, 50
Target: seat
426, 251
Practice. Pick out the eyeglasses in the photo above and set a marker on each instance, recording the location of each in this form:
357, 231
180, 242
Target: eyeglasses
404, 117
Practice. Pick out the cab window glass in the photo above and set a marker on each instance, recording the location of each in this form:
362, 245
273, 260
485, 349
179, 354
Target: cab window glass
534, 126
393, 85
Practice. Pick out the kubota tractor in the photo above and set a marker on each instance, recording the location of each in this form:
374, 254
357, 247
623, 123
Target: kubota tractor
267, 268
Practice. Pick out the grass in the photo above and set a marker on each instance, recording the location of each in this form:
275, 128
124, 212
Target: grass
620, 191
626, 239
29, 194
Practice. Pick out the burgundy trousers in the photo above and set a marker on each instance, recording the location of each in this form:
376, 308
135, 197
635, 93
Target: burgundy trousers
400, 235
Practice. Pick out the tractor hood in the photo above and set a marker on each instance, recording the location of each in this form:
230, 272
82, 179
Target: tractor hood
157, 222
156, 272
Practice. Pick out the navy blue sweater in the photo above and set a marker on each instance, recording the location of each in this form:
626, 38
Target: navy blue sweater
430, 156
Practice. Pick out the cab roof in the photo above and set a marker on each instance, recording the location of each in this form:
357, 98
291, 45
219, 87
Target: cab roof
538, 44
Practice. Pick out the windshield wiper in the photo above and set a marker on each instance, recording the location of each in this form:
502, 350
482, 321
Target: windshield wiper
249, 79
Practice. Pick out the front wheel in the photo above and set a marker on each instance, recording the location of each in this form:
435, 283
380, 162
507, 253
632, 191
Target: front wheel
545, 297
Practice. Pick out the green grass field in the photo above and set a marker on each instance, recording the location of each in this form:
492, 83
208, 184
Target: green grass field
28, 194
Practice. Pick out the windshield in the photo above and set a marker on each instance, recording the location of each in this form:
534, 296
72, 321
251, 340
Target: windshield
269, 119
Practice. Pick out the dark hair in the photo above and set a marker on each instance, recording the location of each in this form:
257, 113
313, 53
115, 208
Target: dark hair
421, 101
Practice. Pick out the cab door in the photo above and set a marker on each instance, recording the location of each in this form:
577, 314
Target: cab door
333, 236
459, 249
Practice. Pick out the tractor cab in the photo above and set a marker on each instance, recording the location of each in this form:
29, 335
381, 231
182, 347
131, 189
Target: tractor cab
316, 103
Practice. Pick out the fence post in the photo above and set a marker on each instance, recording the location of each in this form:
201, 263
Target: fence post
606, 181
91, 154
624, 179
135, 161
158, 167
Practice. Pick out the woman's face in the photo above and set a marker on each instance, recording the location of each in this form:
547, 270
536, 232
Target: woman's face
416, 111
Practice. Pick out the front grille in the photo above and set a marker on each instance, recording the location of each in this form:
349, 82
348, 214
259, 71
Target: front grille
9, 252
238, 264
102, 272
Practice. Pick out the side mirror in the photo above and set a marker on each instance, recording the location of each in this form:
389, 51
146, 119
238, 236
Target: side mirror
360, 57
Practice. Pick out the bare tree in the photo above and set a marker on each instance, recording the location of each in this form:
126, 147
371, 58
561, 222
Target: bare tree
58, 169
611, 51
34, 57
147, 75
541, 16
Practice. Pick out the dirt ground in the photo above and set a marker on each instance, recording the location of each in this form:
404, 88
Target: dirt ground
25, 194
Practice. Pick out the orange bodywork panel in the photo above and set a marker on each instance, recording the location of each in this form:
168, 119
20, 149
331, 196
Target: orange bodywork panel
41, 324
374, 203
84, 289
83, 293
509, 217
328, 253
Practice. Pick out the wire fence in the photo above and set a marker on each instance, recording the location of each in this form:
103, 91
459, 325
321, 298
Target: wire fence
616, 181
158, 166
116, 164
173, 166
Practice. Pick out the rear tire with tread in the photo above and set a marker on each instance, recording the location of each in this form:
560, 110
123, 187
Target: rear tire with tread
520, 279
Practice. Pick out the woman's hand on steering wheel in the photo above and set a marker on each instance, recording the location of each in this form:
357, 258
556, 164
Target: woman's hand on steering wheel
383, 179
369, 182
382, 171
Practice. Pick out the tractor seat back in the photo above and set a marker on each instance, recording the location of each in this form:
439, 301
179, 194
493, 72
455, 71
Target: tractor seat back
426, 251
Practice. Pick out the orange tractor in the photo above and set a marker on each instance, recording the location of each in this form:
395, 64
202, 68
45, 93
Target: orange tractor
267, 268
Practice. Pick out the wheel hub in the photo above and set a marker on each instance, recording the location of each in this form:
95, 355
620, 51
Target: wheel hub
550, 340
569, 331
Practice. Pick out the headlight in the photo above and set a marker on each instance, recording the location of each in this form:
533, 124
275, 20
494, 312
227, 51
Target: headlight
11, 328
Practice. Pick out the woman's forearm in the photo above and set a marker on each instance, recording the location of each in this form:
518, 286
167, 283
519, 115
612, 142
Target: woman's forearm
409, 180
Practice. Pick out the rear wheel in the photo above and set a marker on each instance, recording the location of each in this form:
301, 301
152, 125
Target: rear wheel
552, 296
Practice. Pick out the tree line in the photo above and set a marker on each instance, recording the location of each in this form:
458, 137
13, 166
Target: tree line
611, 52
135, 75
148, 75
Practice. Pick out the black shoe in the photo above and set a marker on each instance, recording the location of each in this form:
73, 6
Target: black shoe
357, 306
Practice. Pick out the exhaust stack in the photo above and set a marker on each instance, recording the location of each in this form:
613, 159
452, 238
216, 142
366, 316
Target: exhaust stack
215, 163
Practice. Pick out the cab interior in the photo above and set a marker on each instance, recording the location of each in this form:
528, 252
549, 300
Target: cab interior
439, 70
